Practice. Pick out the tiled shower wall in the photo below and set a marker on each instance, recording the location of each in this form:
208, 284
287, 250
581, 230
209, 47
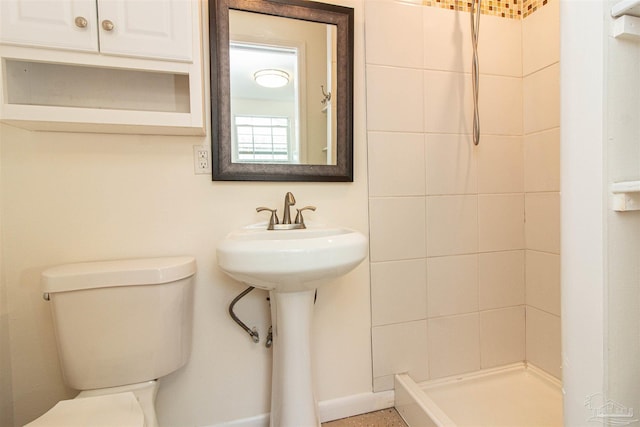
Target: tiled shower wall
449, 247
541, 129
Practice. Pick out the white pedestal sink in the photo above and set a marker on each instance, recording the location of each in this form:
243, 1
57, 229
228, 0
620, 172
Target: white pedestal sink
291, 264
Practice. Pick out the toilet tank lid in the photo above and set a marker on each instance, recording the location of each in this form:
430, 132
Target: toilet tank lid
128, 272
121, 409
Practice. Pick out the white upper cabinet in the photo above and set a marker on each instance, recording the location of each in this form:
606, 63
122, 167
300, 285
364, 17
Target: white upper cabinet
151, 28
70, 24
159, 29
120, 66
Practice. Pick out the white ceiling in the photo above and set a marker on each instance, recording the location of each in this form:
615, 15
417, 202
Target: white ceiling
247, 59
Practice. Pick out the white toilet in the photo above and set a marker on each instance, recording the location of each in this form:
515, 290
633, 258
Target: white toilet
119, 325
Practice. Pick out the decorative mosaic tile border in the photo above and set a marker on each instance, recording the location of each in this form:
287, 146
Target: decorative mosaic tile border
530, 6
514, 9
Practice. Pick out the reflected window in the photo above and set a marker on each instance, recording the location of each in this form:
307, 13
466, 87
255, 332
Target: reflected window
263, 139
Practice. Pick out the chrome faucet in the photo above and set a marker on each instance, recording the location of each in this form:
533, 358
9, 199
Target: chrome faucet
289, 201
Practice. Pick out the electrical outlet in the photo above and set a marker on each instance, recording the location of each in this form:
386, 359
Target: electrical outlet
201, 159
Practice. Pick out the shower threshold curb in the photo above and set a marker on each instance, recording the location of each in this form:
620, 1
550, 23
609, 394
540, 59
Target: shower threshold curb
418, 408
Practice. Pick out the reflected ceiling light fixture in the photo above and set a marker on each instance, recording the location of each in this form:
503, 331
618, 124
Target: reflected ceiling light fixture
271, 78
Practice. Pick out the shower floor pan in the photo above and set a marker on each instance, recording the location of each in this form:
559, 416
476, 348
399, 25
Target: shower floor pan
509, 396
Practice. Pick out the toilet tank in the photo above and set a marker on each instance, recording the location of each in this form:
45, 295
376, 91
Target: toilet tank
121, 322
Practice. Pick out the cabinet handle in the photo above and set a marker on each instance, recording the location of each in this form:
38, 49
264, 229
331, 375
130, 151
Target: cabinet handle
81, 22
107, 25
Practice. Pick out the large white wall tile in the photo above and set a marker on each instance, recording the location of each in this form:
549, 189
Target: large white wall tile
394, 99
500, 163
387, 42
502, 336
501, 222
452, 225
542, 99
447, 102
542, 161
383, 383
401, 348
398, 291
541, 148
499, 46
543, 340
396, 164
541, 38
447, 40
452, 285
451, 164
397, 228
447, 43
501, 279
454, 345
543, 281
542, 226
500, 105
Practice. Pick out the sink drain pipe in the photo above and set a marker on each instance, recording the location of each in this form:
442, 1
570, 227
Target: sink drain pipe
252, 332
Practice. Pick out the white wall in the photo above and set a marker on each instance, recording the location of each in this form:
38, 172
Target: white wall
622, 163
6, 403
77, 197
600, 247
583, 203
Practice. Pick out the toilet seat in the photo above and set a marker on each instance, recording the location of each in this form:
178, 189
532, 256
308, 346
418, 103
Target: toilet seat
121, 409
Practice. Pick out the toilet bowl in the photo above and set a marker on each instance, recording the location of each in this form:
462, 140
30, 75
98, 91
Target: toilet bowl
119, 326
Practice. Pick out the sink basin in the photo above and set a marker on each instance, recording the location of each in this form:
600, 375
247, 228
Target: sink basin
290, 260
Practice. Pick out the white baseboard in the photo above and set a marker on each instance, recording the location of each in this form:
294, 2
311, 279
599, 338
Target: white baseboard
330, 410
257, 421
355, 404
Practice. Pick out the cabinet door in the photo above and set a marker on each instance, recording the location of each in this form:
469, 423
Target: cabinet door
144, 28
63, 24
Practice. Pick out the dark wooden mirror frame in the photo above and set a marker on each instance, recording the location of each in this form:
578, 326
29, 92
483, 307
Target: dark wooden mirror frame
223, 168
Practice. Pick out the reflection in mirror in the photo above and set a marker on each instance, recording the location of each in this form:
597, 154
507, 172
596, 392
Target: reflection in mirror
282, 86
276, 126
264, 104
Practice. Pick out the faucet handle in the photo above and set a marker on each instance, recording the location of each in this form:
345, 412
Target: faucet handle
274, 216
299, 219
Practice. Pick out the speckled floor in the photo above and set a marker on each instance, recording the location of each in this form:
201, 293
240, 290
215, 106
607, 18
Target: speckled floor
385, 418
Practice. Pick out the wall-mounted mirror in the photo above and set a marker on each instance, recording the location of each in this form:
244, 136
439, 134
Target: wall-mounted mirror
281, 90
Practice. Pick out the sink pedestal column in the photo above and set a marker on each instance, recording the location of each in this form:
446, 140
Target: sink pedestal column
293, 402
